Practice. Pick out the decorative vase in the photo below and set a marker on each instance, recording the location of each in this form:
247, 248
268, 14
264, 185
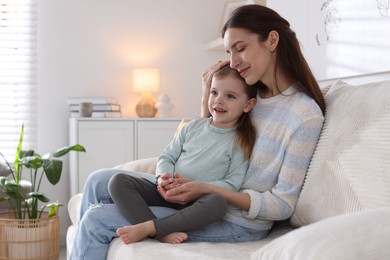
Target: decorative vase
164, 106
29, 239
145, 107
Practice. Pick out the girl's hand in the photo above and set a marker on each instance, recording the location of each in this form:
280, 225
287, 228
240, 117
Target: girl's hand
207, 75
169, 181
164, 179
174, 180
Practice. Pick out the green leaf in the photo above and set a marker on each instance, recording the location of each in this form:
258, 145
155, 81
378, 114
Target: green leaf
53, 208
3, 180
12, 183
52, 212
52, 169
12, 189
25, 153
54, 204
18, 153
64, 150
34, 162
38, 195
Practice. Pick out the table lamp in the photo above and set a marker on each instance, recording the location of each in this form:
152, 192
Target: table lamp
145, 81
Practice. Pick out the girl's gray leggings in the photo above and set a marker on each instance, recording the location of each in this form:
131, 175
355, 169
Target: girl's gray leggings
133, 196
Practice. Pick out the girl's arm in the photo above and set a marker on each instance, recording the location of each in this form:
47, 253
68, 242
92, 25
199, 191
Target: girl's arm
171, 153
207, 75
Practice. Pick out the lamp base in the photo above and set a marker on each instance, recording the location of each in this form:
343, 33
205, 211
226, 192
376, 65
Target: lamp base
145, 107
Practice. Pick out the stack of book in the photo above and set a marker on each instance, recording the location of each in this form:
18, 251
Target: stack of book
102, 106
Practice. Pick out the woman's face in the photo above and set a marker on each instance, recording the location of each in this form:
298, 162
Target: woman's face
249, 56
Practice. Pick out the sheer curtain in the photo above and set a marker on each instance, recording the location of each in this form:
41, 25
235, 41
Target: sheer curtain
18, 40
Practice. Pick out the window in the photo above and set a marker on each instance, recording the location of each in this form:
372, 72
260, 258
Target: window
347, 38
18, 27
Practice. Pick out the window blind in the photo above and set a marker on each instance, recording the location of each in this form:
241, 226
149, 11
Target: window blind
18, 39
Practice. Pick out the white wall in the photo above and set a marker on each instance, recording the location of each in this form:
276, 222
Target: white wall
88, 48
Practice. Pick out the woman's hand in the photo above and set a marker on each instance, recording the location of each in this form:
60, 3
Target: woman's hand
169, 181
193, 190
184, 193
207, 75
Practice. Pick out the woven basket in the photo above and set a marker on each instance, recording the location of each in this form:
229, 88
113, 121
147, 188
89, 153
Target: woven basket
35, 239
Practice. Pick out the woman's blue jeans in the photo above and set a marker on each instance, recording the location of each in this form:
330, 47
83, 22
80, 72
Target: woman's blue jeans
99, 219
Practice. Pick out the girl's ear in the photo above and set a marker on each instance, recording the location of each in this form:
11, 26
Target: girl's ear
273, 40
250, 104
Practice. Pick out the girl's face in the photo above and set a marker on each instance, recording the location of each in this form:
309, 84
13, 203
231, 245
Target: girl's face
252, 58
227, 101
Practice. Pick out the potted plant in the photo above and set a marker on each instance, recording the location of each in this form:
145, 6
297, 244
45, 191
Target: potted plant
26, 227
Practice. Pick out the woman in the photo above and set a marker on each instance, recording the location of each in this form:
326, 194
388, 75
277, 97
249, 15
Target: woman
288, 117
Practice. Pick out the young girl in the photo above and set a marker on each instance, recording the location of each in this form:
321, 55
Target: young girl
214, 150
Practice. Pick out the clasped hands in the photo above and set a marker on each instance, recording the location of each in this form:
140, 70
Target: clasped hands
177, 189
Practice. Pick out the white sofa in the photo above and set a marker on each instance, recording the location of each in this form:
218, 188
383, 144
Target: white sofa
344, 208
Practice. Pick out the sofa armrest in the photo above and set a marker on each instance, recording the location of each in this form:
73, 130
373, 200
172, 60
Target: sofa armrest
361, 235
147, 165
74, 207
143, 165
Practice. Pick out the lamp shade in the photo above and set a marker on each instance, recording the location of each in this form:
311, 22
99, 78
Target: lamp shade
146, 80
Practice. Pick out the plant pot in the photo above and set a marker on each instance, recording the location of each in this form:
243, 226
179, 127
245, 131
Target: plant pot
35, 239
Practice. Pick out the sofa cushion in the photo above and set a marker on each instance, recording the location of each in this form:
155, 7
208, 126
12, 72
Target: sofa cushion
361, 235
349, 171
153, 249
147, 165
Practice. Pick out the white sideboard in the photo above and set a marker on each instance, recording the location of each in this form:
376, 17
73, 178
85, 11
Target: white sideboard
112, 141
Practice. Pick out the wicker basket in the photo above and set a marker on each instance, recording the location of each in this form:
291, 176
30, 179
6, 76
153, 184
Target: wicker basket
35, 239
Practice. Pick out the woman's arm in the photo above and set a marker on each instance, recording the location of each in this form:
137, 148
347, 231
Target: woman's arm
235, 198
207, 75
193, 190
281, 199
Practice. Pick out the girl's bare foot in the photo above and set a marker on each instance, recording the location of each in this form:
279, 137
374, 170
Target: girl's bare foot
174, 238
136, 233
